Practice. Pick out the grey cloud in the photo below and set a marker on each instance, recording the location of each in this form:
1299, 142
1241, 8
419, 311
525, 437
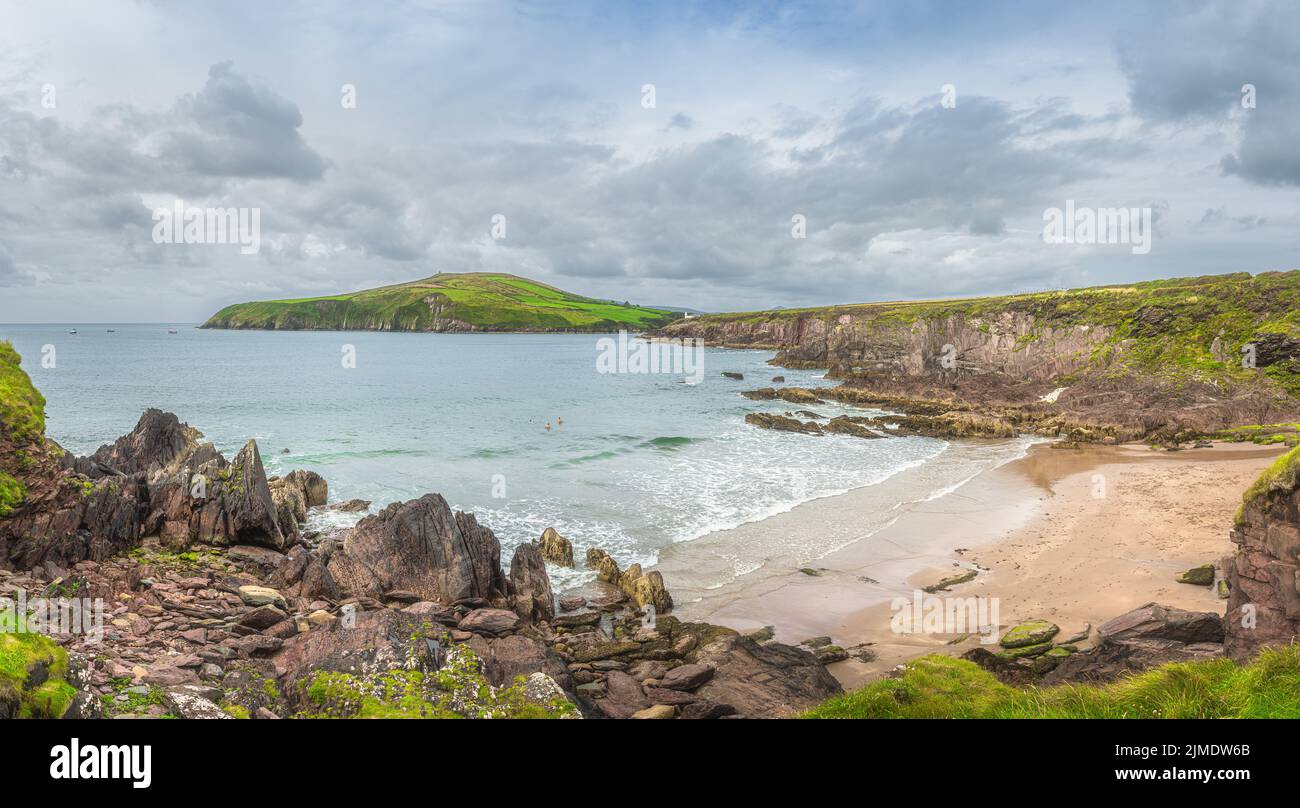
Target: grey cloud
1197, 72
240, 128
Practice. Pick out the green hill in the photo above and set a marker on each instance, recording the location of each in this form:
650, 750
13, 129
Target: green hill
445, 302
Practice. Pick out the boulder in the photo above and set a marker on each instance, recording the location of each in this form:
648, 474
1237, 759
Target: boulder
1141, 639
505, 658
192, 701
768, 680
529, 585
253, 595
686, 677
378, 641
1033, 632
158, 441
555, 548
421, 546
658, 710
1198, 576
489, 621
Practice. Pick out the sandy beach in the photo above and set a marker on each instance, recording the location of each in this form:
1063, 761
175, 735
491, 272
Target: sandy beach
1076, 536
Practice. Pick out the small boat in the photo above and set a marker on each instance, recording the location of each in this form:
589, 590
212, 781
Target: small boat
172, 331
73, 331
112, 331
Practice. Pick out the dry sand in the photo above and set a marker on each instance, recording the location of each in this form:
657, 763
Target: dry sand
1076, 536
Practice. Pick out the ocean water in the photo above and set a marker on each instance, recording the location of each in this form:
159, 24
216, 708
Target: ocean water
632, 462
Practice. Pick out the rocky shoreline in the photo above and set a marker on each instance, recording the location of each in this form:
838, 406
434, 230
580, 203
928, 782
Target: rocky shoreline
219, 605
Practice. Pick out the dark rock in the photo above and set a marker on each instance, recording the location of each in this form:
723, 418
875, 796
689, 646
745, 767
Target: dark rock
489, 621
529, 585
555, 548
424, 547
766, 680
686, 677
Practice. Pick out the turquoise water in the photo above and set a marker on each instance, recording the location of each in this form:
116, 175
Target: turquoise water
638, 462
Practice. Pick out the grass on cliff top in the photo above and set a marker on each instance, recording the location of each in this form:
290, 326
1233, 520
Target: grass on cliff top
20, 654
487, 301
1282, 476
22, 407
946, 687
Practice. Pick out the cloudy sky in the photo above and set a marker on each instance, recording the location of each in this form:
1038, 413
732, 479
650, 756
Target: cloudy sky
537, 111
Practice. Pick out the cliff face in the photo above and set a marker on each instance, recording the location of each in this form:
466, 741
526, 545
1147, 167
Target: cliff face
1264, 574
1010, 342
1161, 356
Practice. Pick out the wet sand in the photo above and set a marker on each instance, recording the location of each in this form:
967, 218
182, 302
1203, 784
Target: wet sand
1076, 536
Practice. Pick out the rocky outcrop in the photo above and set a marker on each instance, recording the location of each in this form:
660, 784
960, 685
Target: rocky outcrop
645, 588
529, 586
1263, 576
158, 441
161, 479
1142, 639
555, 548
423, 547
1091, 357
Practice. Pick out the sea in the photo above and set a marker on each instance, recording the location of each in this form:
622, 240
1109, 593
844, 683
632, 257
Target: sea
526, 431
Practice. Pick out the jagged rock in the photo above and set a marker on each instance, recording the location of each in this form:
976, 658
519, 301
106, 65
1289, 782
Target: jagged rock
423, 547
648, 589
350, 506
1143, 638
643, 588
529, 585
158, 440
658, 710
731, 374
555, 548
766, 680
314, 488
606, 568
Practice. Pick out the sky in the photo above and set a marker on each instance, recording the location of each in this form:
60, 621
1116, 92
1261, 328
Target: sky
719, 156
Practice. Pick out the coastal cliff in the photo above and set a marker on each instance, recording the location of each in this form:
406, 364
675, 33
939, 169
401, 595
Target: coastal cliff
1263, 576
1192, 355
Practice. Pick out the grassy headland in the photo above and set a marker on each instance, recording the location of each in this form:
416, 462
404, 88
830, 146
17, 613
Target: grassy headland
22, 422
445, 302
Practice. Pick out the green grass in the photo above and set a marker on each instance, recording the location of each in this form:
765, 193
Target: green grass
1163, 328
485, 301
945, 687
22, 652
1282, 476
22, 407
